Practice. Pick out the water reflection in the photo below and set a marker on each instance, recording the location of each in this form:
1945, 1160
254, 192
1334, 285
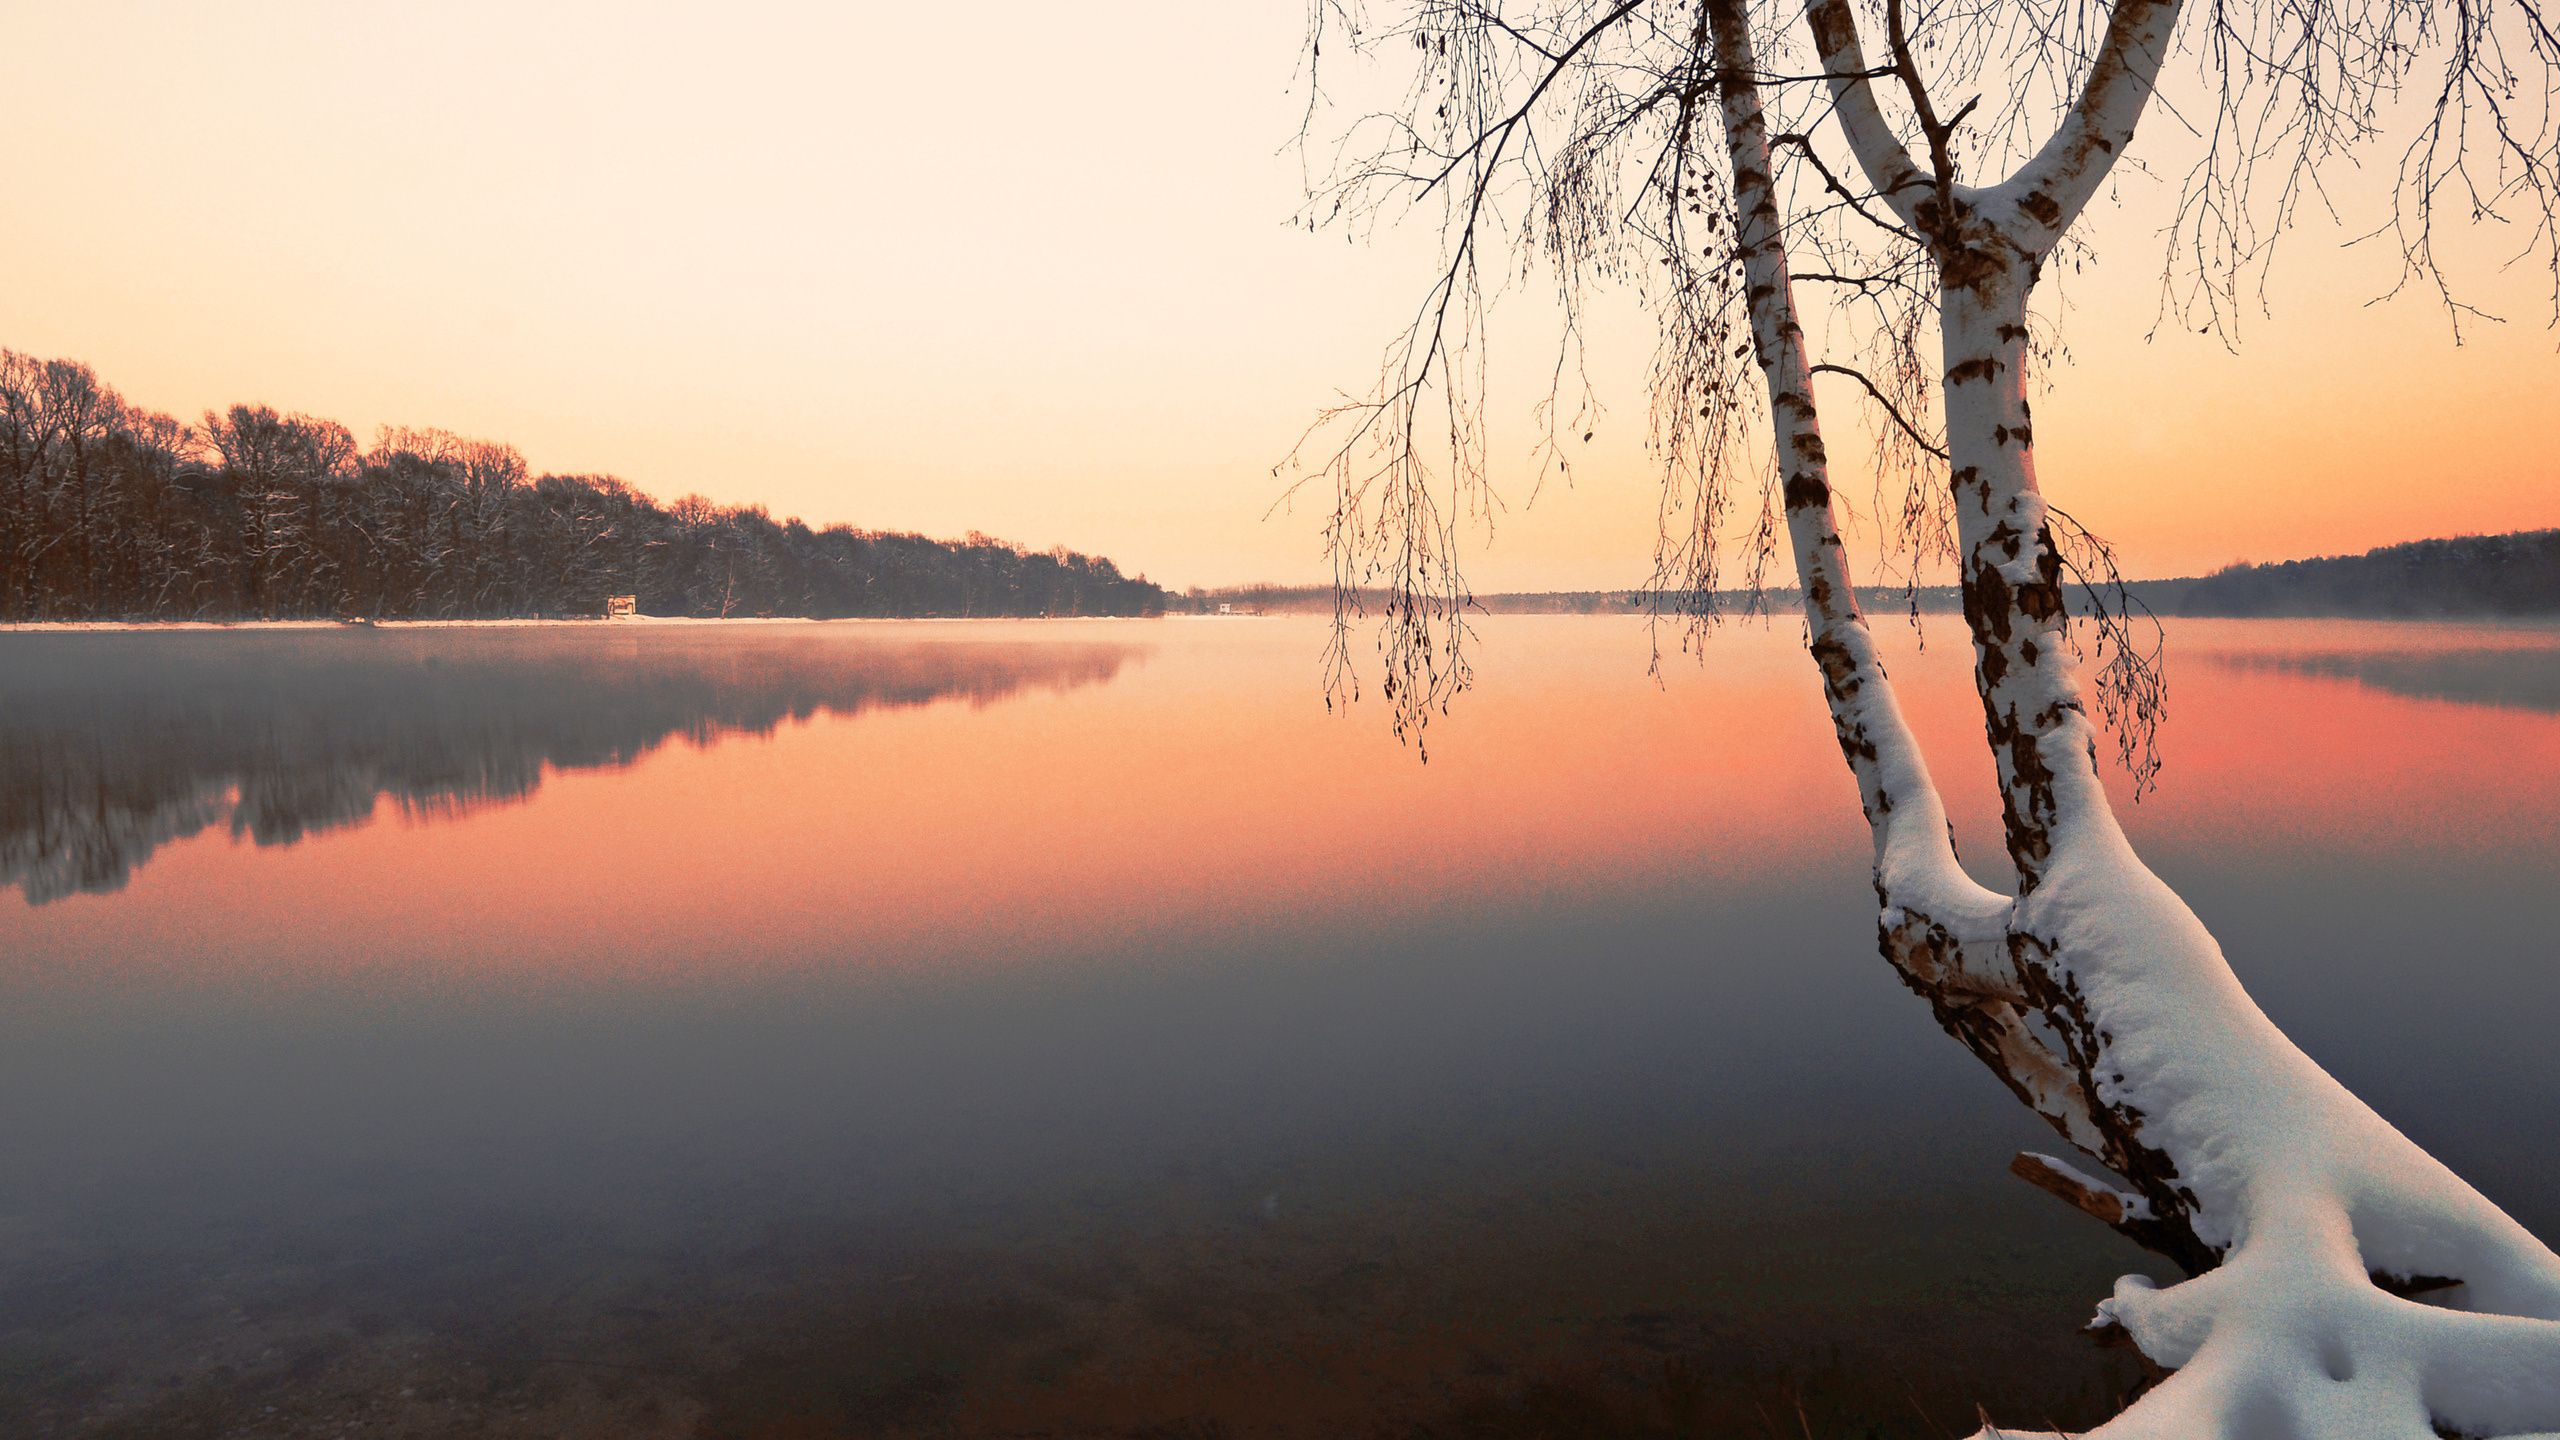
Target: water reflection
1166, 1055
2516, 677
114, 744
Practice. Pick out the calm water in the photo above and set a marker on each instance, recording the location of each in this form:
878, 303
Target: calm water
1067, 1028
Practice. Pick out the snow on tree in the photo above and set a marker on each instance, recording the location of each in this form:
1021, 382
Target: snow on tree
2341, 1281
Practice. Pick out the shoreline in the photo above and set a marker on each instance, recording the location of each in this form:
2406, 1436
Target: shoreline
65, 627
544, 622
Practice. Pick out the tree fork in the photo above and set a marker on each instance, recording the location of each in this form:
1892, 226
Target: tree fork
2095, 995
1988, 249
1949, 940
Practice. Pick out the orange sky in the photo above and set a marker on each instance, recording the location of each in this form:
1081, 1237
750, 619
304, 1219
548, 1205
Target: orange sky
1027, 274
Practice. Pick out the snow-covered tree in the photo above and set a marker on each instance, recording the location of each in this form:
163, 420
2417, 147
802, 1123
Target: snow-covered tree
2341, 1281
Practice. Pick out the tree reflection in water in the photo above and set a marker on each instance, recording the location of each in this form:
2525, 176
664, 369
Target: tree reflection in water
2515, 677
113, 744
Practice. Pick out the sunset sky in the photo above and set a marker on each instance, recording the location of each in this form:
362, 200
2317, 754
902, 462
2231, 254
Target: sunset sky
1028, 270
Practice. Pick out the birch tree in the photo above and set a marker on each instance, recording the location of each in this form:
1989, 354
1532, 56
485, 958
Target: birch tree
2341, 1282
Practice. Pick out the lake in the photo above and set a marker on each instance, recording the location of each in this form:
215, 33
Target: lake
1070, 1028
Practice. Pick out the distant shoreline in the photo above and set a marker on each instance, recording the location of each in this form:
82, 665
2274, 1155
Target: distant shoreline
587, 622
2479, 577
1780, 610
2471, 577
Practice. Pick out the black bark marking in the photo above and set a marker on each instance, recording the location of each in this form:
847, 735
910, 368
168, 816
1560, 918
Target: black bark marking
1807, 490
2000, 613
2042, 600
1977, 268
1970, 477
2042, 206
1981, 367
1989, 1018
1928, 959
1855, 746
1809, 446
1833, 30
1841, 682
2145, 1167
2029, 831
1987, 603
1839, 675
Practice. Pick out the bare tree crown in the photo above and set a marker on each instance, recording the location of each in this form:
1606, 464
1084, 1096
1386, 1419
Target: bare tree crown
1578, 143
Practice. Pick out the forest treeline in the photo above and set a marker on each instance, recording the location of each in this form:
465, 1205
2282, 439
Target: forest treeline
2515, 574
111, 512
1783, 601
2469, 576
1318, 600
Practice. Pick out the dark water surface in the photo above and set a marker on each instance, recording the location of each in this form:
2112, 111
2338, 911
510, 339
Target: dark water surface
1067, 1028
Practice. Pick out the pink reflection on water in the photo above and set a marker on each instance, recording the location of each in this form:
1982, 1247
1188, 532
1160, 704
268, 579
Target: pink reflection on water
1207, 798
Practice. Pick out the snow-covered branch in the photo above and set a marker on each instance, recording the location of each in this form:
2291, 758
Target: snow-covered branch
2340, 1281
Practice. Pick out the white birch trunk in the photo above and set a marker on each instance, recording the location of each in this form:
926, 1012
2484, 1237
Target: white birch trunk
2097, 996
1914, 851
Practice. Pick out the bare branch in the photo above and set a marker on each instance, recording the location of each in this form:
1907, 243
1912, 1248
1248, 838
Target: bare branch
1889, 408
1888, 165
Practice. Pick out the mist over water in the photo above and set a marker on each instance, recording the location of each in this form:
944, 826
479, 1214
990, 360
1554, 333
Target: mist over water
116, 743
1009, 1027
2517, 676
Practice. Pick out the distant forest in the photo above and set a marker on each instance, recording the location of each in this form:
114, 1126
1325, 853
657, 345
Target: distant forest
2472, 576
1318, 600
2517, 574
109, 512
